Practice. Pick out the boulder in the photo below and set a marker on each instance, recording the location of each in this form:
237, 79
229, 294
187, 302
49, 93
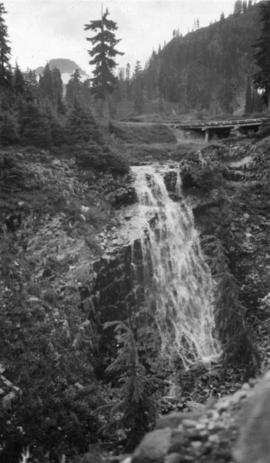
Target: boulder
154, 447
253, 444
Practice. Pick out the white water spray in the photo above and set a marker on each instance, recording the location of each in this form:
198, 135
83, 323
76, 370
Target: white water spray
177, 281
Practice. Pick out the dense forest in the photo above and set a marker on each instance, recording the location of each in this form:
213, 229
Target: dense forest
209, 70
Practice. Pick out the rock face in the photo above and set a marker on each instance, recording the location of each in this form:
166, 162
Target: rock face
253, 445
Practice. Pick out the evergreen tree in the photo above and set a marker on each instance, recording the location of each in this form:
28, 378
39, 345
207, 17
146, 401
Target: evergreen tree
51, 86
128, 80
8, 128
137, 406
81, 127
262, 52
237, 7
74, 89
103, 54
249, 98
31, 86
34, 126
18, 83
4, 50
57, 87
46, 84
138, 88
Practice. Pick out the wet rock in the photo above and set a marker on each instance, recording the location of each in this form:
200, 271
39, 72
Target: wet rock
123, 196
170, 180
154, 447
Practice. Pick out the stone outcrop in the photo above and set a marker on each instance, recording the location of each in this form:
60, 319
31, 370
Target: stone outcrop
253, 444
235, 426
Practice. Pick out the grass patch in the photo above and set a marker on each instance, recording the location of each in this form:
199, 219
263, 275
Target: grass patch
147, 133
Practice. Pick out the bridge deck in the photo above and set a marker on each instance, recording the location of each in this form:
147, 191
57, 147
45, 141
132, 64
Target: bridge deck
222, 124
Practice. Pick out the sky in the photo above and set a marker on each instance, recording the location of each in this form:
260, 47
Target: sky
40, 30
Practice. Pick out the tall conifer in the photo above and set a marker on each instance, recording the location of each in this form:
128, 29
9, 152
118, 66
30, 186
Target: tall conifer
4, 50
103, 53
262, 52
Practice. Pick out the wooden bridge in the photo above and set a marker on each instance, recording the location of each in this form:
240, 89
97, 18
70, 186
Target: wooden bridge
222, 129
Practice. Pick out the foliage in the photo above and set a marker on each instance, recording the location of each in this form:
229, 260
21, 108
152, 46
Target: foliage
81, 127
103, 54
55, 411
138, 88
207, 69
93, 156
4, 51
51, 85
8, 128
34, 126
230, 313
136, 407
262, 50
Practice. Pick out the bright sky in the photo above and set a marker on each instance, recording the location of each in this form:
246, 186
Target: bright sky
43, 29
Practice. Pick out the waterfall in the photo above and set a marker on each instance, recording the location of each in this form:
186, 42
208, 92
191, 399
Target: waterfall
178, 287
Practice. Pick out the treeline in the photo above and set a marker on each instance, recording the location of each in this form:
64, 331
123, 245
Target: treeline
35, 112
210, 69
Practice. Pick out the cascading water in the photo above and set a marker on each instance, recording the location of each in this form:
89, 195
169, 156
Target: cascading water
178, 287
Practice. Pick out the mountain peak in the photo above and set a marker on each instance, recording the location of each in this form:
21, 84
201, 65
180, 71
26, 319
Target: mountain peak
66, 67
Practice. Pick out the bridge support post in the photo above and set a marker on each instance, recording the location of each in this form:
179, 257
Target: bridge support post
207, 136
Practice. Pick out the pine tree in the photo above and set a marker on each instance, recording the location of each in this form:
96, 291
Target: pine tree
262, 52
18, 82
103, 54
74, 89
4, 51
137, 406
237, 7
51, 85
31, 86
81, 127
138, 90
249, 98
34, 126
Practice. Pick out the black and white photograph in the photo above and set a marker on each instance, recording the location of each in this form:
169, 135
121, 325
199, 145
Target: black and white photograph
135, 231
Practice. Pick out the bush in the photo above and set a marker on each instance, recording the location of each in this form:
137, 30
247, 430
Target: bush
34, 126
81, 127
48, 356
8, 129
100, 158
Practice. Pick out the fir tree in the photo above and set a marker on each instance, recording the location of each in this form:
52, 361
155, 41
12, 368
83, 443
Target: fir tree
34, 126
237, 7
4, 50
18, 83
249, 98
137, 407
81, 127
8, 128
51, 85
103, 53
31, 86
74, 89
138, 90
262, 53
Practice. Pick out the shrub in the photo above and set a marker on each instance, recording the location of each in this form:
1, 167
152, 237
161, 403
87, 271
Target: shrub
8, 129
81, 127
34, 126
100, 158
